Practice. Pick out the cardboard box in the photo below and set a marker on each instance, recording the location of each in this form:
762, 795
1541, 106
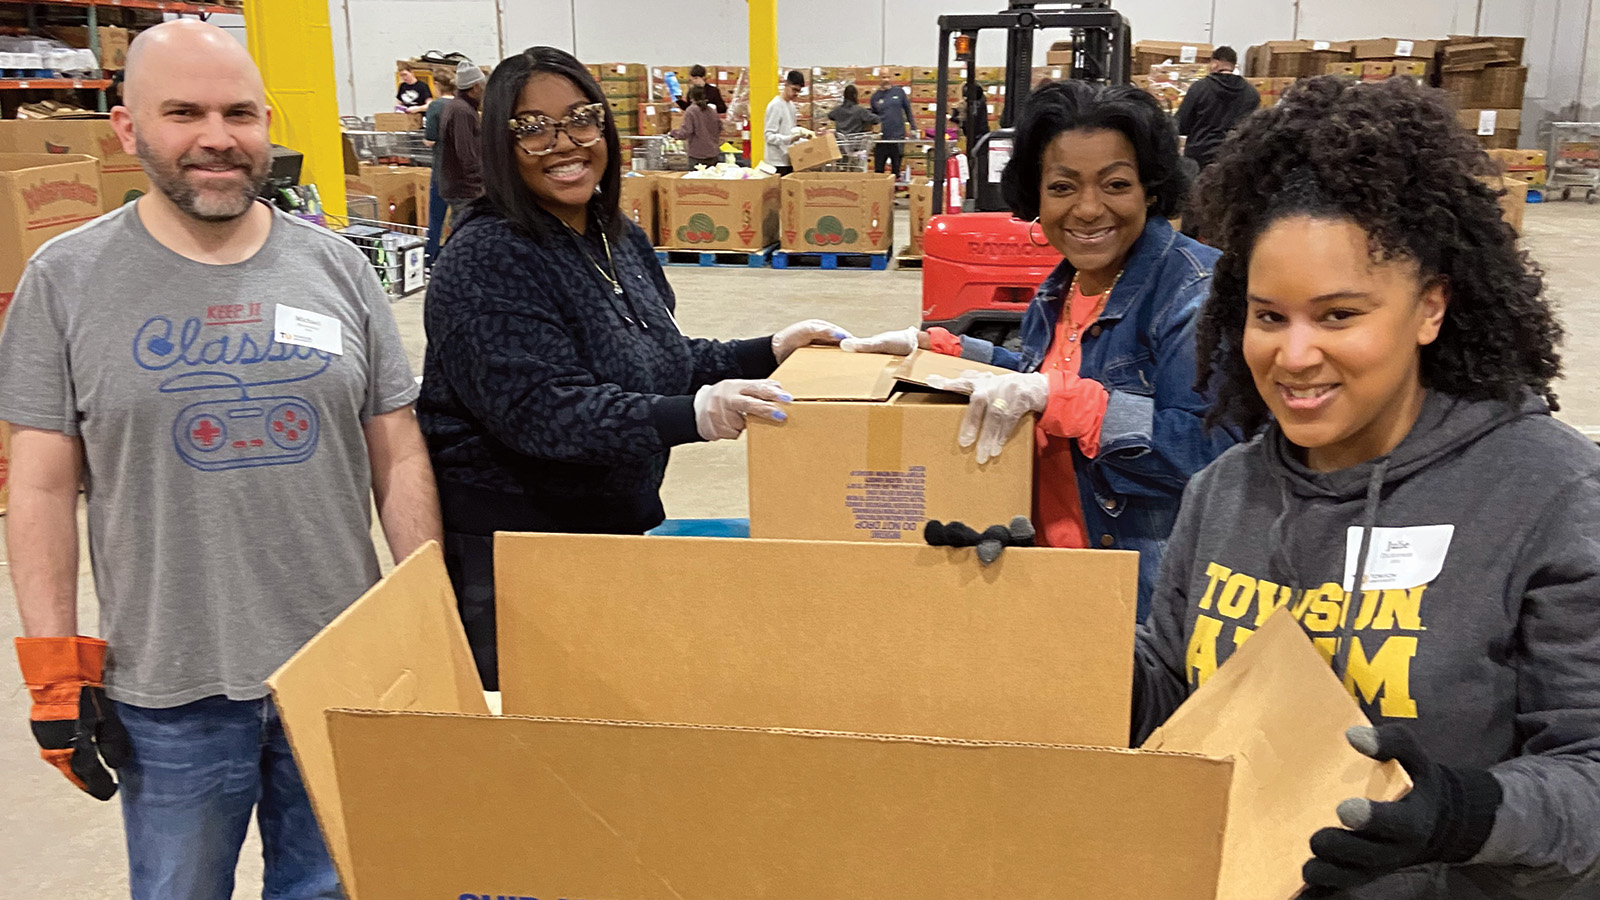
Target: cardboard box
654, 118
1059, 54
41, 195
1412, 68
1377, 70
122, 179
1153, 53
921, 199
401, 191
819, 151
867, 456
1296, 59
978, 771
838, 212
394, 121
1495, 128
1511, 48
5, 454
630, 89
638, 201
636, 72
1342, 69
1500, 87
713, 214
113, 42
1051, 72
1514, 200
1395, 48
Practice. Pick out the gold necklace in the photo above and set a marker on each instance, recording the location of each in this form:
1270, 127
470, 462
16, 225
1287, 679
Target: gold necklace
1075, 328
616, 286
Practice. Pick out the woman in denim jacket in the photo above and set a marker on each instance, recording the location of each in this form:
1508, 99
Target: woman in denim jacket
1108, 344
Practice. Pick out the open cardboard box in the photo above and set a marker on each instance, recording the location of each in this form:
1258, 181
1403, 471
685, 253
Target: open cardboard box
703, 758
869, 452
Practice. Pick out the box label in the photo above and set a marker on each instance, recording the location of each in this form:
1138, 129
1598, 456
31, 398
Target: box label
1488, 122
888, 504
1321, 45
1188, 54
999, 158
1404, 48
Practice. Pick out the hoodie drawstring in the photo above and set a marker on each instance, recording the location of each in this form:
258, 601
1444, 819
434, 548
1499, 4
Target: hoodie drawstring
1369, 521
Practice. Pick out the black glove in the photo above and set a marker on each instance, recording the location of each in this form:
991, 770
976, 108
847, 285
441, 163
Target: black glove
990, 543
1445, 819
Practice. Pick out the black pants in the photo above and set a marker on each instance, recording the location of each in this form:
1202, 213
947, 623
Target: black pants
709, 162
892, 154
470, 560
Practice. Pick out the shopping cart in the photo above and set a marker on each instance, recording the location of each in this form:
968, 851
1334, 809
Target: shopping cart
1574, 160
395, 250
657, 153
855, 152
391, 148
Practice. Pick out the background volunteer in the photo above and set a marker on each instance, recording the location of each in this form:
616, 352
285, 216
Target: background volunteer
460, 148
782, 124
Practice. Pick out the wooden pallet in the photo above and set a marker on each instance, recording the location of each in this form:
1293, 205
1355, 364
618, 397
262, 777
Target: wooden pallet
739, 259
801, 259
907, 259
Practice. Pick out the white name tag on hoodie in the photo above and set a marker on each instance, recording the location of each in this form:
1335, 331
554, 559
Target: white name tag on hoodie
1398, 558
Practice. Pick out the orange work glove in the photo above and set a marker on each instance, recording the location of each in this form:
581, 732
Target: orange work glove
73, 721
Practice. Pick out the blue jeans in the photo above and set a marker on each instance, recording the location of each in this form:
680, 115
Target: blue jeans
436, 211
197, 772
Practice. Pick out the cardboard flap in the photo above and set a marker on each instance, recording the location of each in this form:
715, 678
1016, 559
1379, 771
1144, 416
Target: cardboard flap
828, 373
450, 806
1276, 708
20, 162
400, 646
901, 639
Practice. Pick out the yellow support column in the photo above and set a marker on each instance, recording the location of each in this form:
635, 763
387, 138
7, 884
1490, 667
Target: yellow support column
763, 71
292, 43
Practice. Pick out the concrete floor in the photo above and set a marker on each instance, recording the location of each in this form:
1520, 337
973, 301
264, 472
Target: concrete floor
57, 842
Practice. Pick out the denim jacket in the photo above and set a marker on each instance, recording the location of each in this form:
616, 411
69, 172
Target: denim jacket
1142, 350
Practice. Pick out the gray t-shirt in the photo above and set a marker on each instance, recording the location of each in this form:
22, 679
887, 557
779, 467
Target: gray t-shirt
227, 475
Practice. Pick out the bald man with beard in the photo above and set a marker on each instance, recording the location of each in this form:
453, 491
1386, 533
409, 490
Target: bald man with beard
228, 384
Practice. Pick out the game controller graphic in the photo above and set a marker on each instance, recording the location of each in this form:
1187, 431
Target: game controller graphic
244, 432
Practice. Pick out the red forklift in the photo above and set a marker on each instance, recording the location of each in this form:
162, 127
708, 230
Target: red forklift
980, 266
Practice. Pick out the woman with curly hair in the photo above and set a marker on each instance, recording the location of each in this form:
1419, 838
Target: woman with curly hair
1372, 313
1108, 344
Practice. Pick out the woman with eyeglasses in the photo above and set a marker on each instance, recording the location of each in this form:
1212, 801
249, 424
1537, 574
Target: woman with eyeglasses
556, 380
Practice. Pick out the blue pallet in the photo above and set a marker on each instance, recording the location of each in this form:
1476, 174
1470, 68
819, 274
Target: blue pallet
1535, 195
798, 259
739, 259
719, 528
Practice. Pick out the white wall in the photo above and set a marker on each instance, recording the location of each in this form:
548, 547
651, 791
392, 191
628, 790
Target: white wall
1563, 35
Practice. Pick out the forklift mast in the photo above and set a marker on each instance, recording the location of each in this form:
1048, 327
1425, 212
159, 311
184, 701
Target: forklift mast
1101, 43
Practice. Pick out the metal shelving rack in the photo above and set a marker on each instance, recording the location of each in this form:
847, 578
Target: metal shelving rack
91, 10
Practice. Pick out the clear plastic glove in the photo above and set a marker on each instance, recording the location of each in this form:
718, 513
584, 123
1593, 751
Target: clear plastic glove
895, 343
804, 334
720, 409
998, 403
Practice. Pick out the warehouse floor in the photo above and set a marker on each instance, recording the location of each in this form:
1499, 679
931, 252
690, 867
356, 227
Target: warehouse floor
57, 842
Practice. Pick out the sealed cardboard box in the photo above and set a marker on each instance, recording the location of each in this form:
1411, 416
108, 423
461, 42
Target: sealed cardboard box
838, 212
921, 199
1152, 53
401, 191
1296, 59
867, 454
819, 151
113, 42
716, 748
1059, 54
638, 201
1395, 48
1500, 87
636, 72
1377, 70
718, 214
122, 179
394, 121
1495, 128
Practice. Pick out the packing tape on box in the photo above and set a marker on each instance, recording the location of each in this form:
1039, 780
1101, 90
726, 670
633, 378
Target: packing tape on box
885, 437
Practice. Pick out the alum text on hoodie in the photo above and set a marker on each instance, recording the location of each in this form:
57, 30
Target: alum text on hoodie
1478, 628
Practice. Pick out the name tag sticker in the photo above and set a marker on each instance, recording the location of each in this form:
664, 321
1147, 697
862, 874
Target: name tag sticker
1398, 558
304, 328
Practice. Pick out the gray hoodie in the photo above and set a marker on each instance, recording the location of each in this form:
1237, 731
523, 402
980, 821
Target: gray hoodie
1479, 627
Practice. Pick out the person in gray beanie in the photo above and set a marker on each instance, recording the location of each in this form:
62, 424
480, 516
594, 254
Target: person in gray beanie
460, 146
